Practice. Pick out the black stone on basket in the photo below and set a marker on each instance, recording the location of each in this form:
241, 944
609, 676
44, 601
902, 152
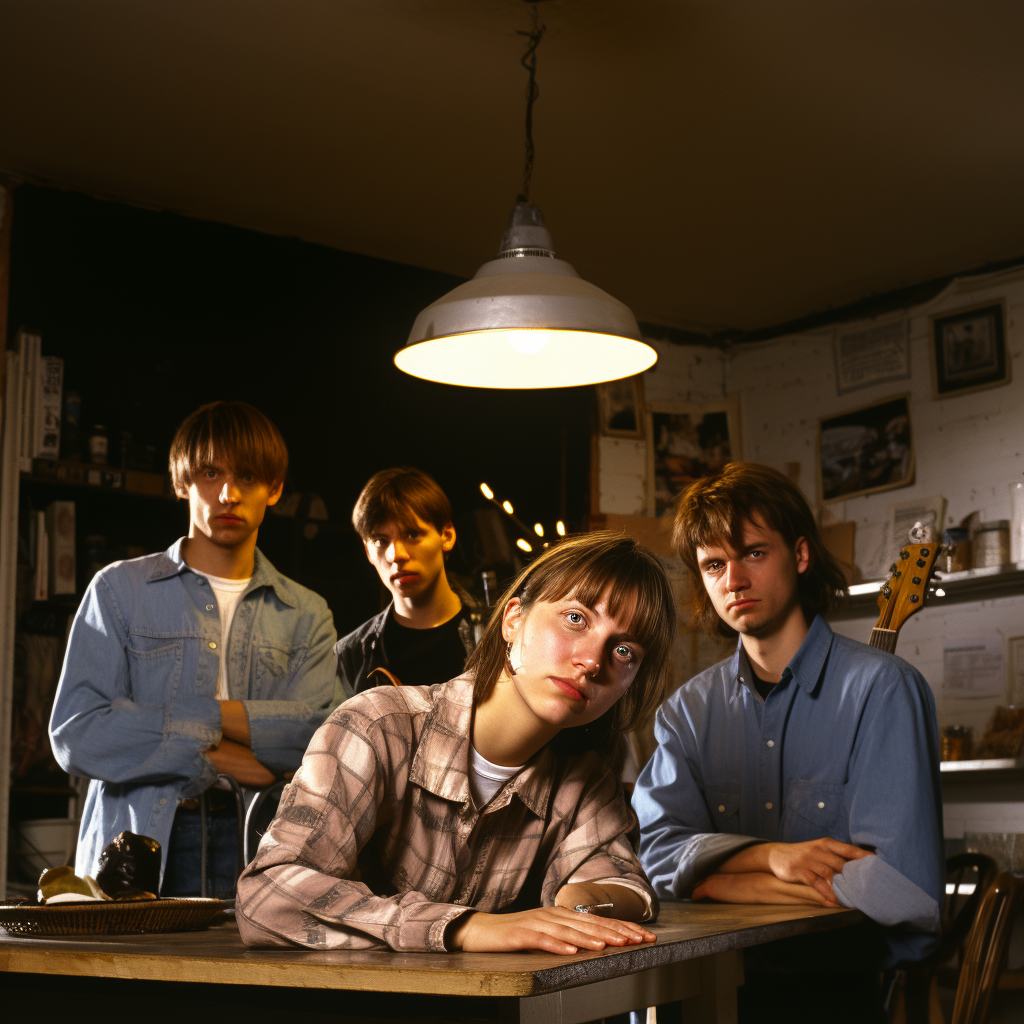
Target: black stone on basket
129, 865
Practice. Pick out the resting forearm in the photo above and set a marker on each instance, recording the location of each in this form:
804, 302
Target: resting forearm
627, 905
234, 722
751, 858
757, 887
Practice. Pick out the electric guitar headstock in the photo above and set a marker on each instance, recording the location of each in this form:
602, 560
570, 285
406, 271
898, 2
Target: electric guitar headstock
904, 592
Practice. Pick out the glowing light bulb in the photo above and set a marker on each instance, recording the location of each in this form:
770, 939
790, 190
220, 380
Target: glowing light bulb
507, 506
940, 592
538, 529
523, 545
487, 492
560, 528
528, 343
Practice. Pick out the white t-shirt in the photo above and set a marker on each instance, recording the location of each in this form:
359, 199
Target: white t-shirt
228, 592
485, 779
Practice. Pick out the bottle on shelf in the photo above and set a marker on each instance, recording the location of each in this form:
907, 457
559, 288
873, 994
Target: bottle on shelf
99, 445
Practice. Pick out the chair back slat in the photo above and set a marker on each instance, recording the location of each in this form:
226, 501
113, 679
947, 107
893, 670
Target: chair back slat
986, 944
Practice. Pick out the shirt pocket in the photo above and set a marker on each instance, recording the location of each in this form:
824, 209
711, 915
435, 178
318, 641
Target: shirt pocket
813, 810
724, 805
154, 668
274, 664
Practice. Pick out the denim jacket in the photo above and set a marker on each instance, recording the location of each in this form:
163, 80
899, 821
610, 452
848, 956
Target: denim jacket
136, 707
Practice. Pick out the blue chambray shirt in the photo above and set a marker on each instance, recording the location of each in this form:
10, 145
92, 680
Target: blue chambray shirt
136, 704
845, 746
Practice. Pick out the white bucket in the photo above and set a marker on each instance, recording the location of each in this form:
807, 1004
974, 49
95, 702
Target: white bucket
46, 843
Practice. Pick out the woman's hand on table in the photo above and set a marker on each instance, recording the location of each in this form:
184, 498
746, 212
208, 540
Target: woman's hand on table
760, 887
550, 929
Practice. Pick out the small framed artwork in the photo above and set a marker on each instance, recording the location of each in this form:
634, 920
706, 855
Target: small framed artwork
621, 406
866, 450
968, 350
686, 442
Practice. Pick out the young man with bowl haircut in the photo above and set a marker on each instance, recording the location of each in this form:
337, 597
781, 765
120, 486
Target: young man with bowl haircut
425, 634
198, 661
804, 769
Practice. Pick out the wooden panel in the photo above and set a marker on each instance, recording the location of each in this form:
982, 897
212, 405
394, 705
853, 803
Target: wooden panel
218, 956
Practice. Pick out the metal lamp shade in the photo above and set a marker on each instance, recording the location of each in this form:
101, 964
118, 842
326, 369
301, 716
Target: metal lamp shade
525, 322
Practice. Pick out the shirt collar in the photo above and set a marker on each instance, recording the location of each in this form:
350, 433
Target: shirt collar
172, 563
441, 762
805, 666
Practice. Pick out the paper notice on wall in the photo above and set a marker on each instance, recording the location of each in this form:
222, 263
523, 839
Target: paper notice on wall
975, 667
871, 354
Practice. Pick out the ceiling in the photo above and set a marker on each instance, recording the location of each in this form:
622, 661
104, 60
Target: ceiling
715, 164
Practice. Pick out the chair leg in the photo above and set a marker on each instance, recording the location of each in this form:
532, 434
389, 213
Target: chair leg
917, 992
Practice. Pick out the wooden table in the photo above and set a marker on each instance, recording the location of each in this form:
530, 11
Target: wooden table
201, 975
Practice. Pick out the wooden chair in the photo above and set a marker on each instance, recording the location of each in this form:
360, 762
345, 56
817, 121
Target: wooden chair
958, 915
986, 945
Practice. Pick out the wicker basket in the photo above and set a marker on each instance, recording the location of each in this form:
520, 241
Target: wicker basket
129, 917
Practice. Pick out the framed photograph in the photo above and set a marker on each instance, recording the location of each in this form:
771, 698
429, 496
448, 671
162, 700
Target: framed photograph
969, 350
621, 407
866, 450
686, 442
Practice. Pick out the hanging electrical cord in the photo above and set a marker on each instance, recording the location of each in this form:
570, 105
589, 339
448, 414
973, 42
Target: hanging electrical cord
529, 61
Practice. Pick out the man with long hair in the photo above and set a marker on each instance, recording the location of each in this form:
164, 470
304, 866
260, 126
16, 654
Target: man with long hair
803, 769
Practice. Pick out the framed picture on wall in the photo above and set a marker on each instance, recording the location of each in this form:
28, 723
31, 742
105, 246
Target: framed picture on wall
968, 350
621, 407
866, 450
686, 442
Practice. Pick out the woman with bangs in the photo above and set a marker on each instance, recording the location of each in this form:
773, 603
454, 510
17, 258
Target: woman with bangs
484, 813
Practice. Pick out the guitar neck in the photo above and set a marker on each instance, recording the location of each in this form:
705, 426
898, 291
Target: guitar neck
884, 639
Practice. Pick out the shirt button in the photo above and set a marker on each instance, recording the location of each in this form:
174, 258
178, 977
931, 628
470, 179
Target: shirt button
821, 805
201, 583
209, 607
163, 800
721, 808
213, 646
768, 805
771, 743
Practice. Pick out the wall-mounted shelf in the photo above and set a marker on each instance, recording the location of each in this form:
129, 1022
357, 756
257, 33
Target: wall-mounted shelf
99, 478
950, 588
989, 764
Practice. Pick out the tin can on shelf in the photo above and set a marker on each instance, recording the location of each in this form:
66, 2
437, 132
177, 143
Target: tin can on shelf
955, 743
957, 545
992, 544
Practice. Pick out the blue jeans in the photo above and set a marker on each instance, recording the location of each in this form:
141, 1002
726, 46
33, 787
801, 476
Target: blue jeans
182, 875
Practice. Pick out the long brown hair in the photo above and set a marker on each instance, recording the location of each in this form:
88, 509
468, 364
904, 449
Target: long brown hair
587, 567
712, 511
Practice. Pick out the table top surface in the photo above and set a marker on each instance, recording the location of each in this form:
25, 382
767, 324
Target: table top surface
217, 955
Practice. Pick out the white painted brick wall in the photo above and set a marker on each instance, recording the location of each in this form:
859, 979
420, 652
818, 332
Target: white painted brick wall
683, 373
968, 448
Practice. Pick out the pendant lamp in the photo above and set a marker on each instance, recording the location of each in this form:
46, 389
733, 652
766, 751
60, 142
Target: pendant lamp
526, 319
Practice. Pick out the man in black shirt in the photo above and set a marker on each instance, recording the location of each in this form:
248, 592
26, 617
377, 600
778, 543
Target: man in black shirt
424, 635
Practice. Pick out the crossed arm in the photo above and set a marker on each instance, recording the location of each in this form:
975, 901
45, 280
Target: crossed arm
781, 873
233, 755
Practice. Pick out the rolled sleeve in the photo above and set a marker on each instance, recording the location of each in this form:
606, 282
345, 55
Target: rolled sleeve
895, 808
678, 842
597, 847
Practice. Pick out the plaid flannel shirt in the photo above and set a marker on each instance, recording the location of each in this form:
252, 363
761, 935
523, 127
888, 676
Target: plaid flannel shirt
377, 842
